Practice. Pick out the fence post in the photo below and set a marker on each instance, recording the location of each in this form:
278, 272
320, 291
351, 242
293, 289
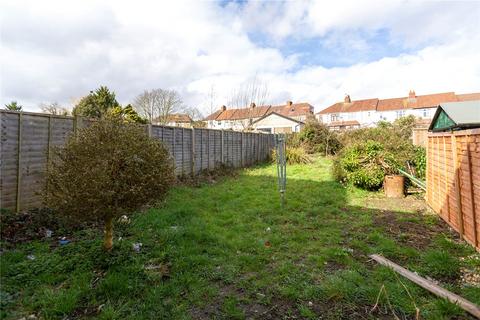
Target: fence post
149, 129
208, 149
19, 159
241, 149
222, 149
193, 151
457, 186
49, 142
472, 197
173, 151
183, 151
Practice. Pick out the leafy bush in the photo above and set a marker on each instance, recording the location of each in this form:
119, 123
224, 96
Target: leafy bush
294, 155
420, 162
364, 164
109, 169
315, 137
353, 164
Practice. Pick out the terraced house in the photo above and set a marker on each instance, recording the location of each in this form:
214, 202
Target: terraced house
244, 118
368, 112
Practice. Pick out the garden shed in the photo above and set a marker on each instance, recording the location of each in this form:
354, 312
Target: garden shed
453, 167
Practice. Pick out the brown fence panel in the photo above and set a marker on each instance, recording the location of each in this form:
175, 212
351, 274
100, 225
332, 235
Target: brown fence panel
453, 180
27, 139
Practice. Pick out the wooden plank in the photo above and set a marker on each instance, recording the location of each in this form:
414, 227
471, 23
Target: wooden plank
19, 159
472, 198
457, 188
463, 303
446, 176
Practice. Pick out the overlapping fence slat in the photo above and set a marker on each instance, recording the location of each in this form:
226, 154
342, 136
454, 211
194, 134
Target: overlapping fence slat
27, 138
453, 180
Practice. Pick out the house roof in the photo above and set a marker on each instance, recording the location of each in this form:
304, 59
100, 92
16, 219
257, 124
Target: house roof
411, 102
288, 110
343, 123
179, 117
456, 116
213, 116
280, 115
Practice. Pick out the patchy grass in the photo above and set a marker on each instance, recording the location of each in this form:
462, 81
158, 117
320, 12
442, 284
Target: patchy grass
227, 250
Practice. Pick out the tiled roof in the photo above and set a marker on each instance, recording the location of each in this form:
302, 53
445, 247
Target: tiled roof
343, 123
414, 102
468, 96
292, 110
179, 117
213, 116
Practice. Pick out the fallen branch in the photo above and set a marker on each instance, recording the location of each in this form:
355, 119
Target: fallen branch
430, 286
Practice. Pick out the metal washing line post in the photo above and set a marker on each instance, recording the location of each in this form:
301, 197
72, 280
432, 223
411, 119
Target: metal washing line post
280, 150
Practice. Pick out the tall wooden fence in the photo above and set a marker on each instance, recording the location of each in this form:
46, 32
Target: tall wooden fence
27, 138
453, 180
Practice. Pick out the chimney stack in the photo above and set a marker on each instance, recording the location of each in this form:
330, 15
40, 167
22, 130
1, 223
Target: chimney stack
411, 94
252, 105
223, 108
347, 99
289, 103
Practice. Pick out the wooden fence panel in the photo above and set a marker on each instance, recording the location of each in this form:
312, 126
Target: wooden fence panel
27, 142
453, 180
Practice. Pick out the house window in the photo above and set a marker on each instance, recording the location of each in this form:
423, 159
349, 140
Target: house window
368, 114
425, 113
400, 113
334, 117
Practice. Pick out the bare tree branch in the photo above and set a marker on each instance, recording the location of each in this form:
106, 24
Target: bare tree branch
54, 108
156, 105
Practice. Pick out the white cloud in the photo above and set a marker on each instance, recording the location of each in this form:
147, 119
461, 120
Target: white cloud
60, 50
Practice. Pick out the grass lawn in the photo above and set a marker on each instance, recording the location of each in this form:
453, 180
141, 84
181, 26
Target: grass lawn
226, 250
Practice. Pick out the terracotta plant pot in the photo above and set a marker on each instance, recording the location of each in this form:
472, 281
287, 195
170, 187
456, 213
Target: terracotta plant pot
394, 186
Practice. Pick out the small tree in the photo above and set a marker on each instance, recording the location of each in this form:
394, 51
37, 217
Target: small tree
13, 106
317, 137
96, 104
54, 108
127, 114
156, 105
110, 168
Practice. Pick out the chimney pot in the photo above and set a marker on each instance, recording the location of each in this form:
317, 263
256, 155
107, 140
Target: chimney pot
411, 94
252, 105
223, 108
289, 103
347, 99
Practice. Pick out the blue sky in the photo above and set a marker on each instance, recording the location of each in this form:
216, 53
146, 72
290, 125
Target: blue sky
309, 51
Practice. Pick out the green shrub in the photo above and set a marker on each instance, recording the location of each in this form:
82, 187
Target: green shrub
390, 138
364, 164
294, 156
420, 162
370, 153
109, 169
315, 137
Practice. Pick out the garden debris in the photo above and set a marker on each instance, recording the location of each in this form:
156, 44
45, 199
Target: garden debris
63, 241
31, 257
268, 229
137, 246
124, 220
430, 286
159, 269
48, 233
268, 244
